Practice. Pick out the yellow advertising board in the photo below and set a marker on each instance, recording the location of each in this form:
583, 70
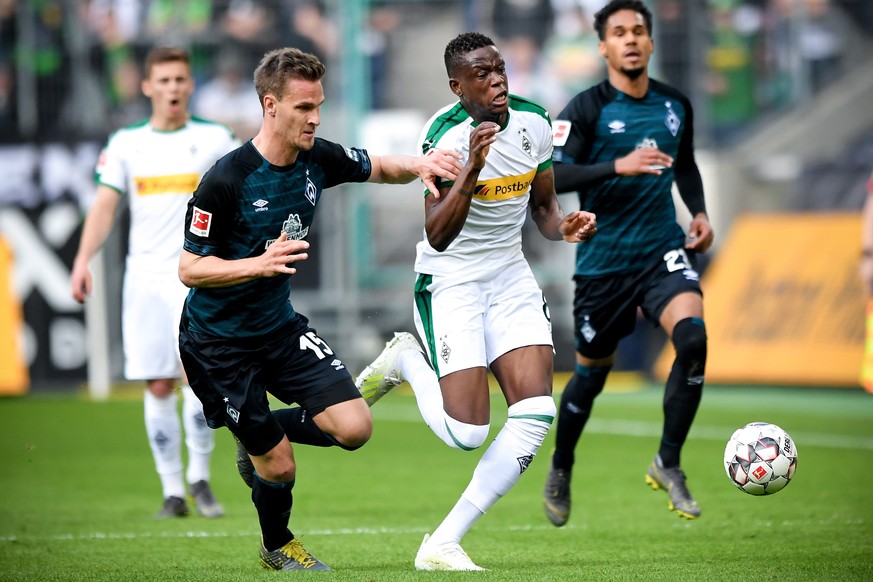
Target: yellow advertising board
783, 303
14, 377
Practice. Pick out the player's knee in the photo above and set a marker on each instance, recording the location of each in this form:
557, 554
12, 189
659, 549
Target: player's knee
689, 339
355, 434
531, 418
276, 470
466, 437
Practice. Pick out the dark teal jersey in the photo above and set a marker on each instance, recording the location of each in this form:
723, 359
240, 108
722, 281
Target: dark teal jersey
636, 217
242, 205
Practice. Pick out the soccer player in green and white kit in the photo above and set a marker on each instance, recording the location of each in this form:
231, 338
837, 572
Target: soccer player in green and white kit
157, 164
477, 304
621, 144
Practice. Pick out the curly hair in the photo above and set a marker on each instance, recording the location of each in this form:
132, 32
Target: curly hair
460, 46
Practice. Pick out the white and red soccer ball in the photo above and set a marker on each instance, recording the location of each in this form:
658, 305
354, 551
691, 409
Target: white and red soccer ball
760, 458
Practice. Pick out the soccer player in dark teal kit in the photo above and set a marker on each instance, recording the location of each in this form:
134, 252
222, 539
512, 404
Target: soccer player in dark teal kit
621, 144
240, 336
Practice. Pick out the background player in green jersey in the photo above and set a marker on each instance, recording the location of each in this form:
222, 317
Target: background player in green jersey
622, 144
156, 164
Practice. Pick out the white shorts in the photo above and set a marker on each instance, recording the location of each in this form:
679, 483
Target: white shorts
150, 314
471, 324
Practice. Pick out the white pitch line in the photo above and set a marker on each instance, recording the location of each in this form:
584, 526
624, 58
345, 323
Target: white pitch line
254, 533
638, 428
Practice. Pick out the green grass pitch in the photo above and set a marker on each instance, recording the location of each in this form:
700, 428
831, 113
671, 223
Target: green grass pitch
78, 492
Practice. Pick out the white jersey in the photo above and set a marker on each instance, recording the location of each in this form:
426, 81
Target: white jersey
159, 171
491, 235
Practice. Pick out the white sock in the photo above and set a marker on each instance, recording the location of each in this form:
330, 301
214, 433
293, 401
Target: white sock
165, 438
458, 522
199, 438
501, 466
429, 397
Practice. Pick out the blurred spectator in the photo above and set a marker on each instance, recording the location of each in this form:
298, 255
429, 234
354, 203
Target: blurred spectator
230, 97
249, 26
523, 27
381, 22
572, 51
673, 43
824, 36
530, 20
309, 29
731, 61
8, 114
177, 22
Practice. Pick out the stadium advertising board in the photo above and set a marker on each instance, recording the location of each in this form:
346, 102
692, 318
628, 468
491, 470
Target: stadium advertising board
783, 303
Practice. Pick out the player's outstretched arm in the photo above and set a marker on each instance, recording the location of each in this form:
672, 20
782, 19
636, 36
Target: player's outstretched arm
402, 169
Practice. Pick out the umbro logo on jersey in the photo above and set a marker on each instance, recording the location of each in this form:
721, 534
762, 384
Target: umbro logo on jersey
616, 126
260, 205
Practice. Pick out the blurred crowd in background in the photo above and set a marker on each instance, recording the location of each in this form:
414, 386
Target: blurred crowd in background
72, 68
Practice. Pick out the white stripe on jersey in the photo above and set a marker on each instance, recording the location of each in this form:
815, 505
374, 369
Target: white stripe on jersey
159, 170
491, 236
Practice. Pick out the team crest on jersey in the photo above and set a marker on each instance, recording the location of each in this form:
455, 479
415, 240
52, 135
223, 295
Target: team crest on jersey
293, 227
311, 191
672, 120
560, 132
524, 462
445, 352
201, 222
233, 413
526, 146
587, 330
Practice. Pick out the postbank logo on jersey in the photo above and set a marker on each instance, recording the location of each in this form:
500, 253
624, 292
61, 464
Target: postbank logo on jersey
201, 222
504, 188
175, 184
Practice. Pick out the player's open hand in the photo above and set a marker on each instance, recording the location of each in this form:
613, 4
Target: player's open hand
578, 226
80, 281
444, 164
700, 234
281, 255
643, 161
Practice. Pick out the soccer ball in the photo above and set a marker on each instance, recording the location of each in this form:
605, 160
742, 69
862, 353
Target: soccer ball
760, 458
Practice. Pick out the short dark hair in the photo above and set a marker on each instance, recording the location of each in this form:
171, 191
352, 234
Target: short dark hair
461, 45
614, 6
277, 66
165, 54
